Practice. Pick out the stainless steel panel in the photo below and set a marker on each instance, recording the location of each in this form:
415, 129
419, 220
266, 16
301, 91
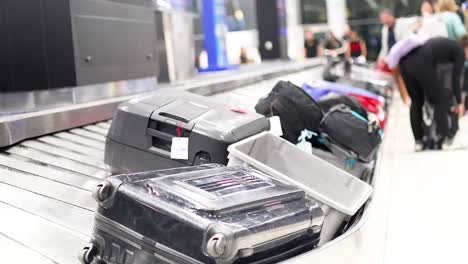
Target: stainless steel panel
106, 8
26, 102
189, 6
49, 239
71, 217
100, 145
165, 71
113, 41
63, 176
176, 46
48, 188
43, 147
15, 129
65, 144
183, 45
250, 75
59, 162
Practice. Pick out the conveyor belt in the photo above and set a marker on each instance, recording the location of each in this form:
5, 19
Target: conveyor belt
46, 206
46, 185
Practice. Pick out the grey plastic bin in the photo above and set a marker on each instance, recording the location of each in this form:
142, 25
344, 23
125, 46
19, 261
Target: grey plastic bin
340, 193
359, 169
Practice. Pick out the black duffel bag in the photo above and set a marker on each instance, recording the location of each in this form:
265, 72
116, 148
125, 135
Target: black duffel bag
347, 129
296, 109
332, 100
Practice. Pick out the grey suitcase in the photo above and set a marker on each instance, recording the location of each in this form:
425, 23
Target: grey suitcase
201, 214
142, 130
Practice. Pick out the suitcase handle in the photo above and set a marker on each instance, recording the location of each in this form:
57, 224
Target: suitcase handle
172, 120
163, 139
162, 128
174, 117
158, 134
161, 142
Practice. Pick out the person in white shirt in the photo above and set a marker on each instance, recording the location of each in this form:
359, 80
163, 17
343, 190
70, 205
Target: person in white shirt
393, 30
430, 23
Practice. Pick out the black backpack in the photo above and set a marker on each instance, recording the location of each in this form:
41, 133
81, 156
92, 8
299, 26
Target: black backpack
341, 127
296, 109
328, 102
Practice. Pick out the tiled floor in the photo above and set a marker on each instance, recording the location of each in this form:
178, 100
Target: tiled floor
428, 213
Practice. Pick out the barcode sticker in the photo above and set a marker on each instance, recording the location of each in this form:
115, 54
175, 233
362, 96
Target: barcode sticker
305, 146
179, 148
275, 126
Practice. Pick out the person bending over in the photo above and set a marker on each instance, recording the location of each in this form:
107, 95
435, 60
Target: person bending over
416, 59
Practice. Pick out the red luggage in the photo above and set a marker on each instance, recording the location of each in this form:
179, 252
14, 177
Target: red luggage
372, 105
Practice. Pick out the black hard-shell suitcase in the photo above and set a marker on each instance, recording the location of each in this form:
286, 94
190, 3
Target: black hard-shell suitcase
202, 214
142, 130
296, 109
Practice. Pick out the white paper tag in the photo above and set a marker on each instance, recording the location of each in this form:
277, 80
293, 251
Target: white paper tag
305, 146
179, 148
275, 126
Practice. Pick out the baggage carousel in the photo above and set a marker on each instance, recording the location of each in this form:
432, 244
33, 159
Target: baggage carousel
47, 174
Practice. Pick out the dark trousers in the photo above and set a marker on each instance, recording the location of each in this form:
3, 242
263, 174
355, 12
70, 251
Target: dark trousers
420, 77
465, 86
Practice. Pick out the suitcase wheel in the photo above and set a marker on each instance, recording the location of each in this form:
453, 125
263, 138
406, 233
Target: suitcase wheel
102, 192
216, 245
88, 253
202, 158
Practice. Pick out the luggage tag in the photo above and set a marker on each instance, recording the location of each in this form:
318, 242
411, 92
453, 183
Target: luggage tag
236, 110
303, 144
179, 147
275, 126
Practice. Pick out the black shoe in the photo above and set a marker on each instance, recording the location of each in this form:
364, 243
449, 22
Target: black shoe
439, 143
428, 145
